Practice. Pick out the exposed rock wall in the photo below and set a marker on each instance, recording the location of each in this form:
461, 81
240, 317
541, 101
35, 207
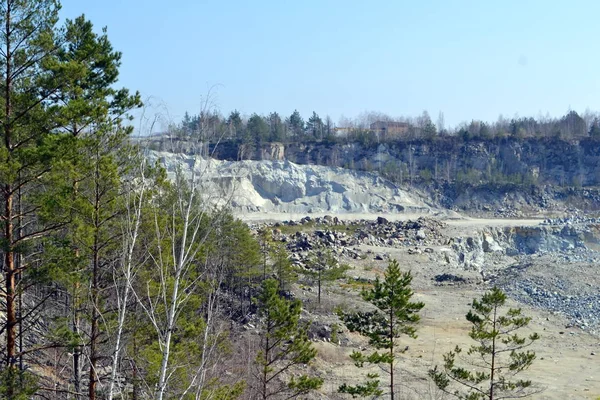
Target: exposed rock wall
549, 238
548, 160
567, 173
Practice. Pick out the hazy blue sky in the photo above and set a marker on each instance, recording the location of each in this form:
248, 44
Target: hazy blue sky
468, 59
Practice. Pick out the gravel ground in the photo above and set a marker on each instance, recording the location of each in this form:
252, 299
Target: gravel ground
553, 283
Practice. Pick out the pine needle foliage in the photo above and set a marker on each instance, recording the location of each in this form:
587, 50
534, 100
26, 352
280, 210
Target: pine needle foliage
496, 358
284, 345
396, 315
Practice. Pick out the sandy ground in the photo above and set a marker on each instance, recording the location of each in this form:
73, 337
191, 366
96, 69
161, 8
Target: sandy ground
565, 367
567, 364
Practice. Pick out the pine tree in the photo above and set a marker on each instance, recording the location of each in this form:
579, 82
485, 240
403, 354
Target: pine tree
277, 128
265, 239
284, 345
497, 356
99, 237
93, 115
323, 267
257, 129
240, 253
282, 266
23, 28
236, 125
314, 126
35, 162
296, 124
395, 316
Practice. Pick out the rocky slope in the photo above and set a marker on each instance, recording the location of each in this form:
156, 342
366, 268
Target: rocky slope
282, 186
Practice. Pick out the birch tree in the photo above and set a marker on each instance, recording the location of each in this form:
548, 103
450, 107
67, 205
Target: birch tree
124, 273
178, 292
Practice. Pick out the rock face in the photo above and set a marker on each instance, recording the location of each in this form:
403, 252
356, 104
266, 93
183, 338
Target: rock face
273, 151
568, 236
550, 160
495, 175
282, 186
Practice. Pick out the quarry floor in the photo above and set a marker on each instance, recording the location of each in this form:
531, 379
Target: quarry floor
568, 358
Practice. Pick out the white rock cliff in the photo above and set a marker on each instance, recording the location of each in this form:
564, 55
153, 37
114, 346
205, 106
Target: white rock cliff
285, 187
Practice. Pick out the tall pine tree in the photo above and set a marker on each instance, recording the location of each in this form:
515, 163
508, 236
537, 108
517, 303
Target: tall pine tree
395, 315
498, 355
284, 345
32, 194
57, 86
94, 115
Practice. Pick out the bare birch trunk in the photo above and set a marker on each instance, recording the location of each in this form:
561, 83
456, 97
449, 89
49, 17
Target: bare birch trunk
129, 243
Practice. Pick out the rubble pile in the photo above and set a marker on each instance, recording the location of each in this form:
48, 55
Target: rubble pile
423, 231
338, 243
342, 238
508, 213
578, 301
571, 220
379, 232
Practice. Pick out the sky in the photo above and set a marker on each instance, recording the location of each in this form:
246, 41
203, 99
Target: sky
468, 59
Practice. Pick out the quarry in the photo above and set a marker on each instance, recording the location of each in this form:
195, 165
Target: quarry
544, 259
299, 200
